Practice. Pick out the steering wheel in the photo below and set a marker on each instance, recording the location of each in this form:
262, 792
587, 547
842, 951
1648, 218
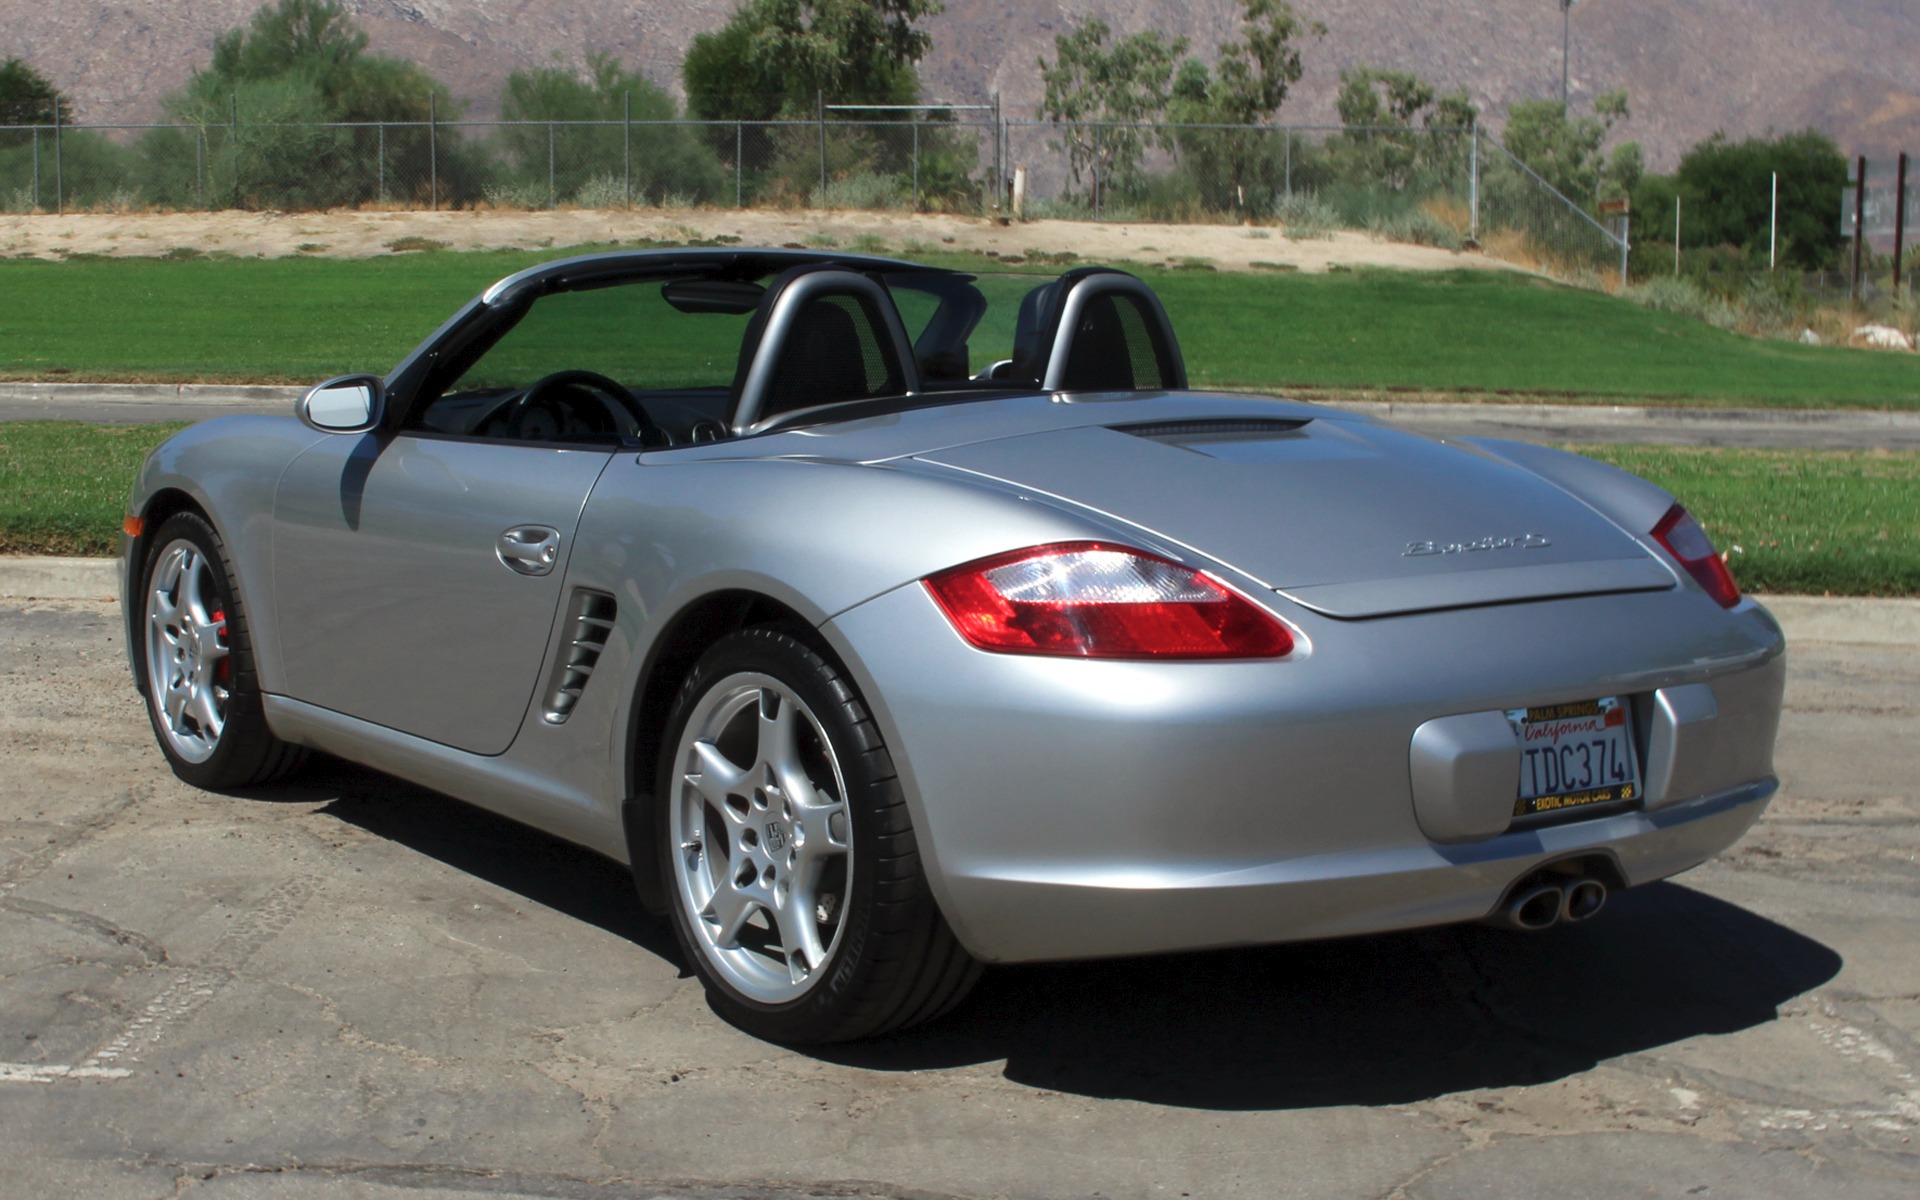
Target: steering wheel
544, 394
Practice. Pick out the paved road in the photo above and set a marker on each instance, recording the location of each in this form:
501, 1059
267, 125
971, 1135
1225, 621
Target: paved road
347, 987
1770, 428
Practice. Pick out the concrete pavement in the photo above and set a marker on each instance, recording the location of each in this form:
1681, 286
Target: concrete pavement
346, 988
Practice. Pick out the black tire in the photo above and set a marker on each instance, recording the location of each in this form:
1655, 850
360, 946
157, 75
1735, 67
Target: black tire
242, 751
890, 960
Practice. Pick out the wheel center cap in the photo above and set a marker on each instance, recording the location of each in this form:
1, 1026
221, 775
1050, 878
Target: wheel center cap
776, 836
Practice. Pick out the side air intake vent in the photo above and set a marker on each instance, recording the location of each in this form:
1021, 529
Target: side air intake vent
589, 622
1219, 429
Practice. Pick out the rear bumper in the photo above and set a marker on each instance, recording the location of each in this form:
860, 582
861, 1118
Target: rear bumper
1076, 809
1367, 891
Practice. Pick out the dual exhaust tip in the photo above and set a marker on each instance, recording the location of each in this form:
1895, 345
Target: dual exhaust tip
1536, 906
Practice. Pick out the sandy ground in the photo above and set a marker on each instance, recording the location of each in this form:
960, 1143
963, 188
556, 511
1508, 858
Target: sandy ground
362, 234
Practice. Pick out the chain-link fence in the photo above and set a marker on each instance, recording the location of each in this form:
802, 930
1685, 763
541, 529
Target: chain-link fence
1449, 187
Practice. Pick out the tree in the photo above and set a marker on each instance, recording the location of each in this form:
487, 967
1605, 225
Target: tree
1565, 151
1246, 87
590, 164
27, 98
1382, 143
1726, 192
270, 105
779, 57
1097, 95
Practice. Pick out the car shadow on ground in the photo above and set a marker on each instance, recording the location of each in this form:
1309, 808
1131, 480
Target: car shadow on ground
1390, 1019
560, 875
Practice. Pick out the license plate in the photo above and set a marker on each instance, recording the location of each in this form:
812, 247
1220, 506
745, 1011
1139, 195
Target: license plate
1574, 755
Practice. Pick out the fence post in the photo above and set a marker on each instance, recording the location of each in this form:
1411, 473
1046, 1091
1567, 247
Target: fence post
36, 166
380, 161
820, 116
626, 144
550, 164
1473, 180
59, 167
1288, 157
916, 180
1859, 220
233, 141
1096, 171
433, 149
739, 165
1899, 220
200, 162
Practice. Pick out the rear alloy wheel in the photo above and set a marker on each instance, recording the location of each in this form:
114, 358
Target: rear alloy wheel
796, 890
198, 664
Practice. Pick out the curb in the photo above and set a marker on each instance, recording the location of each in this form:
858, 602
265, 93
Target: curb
1438, 410
150, 393
1844, 619
1632, 414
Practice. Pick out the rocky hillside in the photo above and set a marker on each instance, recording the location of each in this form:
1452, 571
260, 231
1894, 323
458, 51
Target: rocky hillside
1849, 67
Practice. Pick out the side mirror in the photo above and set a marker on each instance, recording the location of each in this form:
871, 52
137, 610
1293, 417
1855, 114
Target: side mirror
349, 404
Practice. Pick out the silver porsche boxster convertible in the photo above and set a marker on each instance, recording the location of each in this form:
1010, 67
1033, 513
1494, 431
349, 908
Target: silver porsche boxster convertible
891, 620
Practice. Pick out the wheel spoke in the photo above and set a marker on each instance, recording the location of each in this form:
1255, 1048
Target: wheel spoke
206, 712
729, 911
177, 697
714, 776
799, 936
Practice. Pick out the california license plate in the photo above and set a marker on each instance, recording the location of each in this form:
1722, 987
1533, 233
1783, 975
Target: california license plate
1574, 755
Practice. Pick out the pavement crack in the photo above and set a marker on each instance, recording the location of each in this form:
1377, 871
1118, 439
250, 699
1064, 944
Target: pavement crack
148, 949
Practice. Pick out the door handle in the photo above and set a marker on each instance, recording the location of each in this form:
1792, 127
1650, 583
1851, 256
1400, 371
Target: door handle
529, 549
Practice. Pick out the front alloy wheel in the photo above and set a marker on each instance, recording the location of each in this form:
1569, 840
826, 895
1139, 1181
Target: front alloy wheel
189, 664
197, 663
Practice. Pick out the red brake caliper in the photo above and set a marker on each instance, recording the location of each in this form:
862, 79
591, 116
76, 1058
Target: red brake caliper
223, 672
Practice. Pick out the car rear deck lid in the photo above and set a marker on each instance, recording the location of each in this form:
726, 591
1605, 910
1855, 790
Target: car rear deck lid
1494, 585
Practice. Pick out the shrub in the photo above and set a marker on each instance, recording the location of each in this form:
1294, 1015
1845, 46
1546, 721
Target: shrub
1304, 216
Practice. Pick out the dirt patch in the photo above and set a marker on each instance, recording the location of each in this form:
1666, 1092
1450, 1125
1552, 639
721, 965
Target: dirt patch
359, 234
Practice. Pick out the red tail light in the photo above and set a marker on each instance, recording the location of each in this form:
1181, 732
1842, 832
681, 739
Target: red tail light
1693, 549
1089, 600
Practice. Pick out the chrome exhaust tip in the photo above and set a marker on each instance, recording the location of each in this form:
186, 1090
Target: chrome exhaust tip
1583, 900
1534, 909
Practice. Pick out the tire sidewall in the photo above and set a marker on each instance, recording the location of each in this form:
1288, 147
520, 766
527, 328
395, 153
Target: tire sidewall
821, 1012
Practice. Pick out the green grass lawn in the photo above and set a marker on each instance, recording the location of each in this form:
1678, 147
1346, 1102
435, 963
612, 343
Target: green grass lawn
297, 320
64, 484
1804, 521
1797, 521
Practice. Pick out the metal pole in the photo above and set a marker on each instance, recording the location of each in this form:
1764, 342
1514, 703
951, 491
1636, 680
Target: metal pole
916, 166
1676, 235
233, 139
1899, 219
1566, 45
59, 167
820, 118
550, 157
433, 148
1473, 179
200, 161
380, 161
1626, 245
1773, 224
1289, 161
36, 166
1859, 218
627, 144
739, 166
